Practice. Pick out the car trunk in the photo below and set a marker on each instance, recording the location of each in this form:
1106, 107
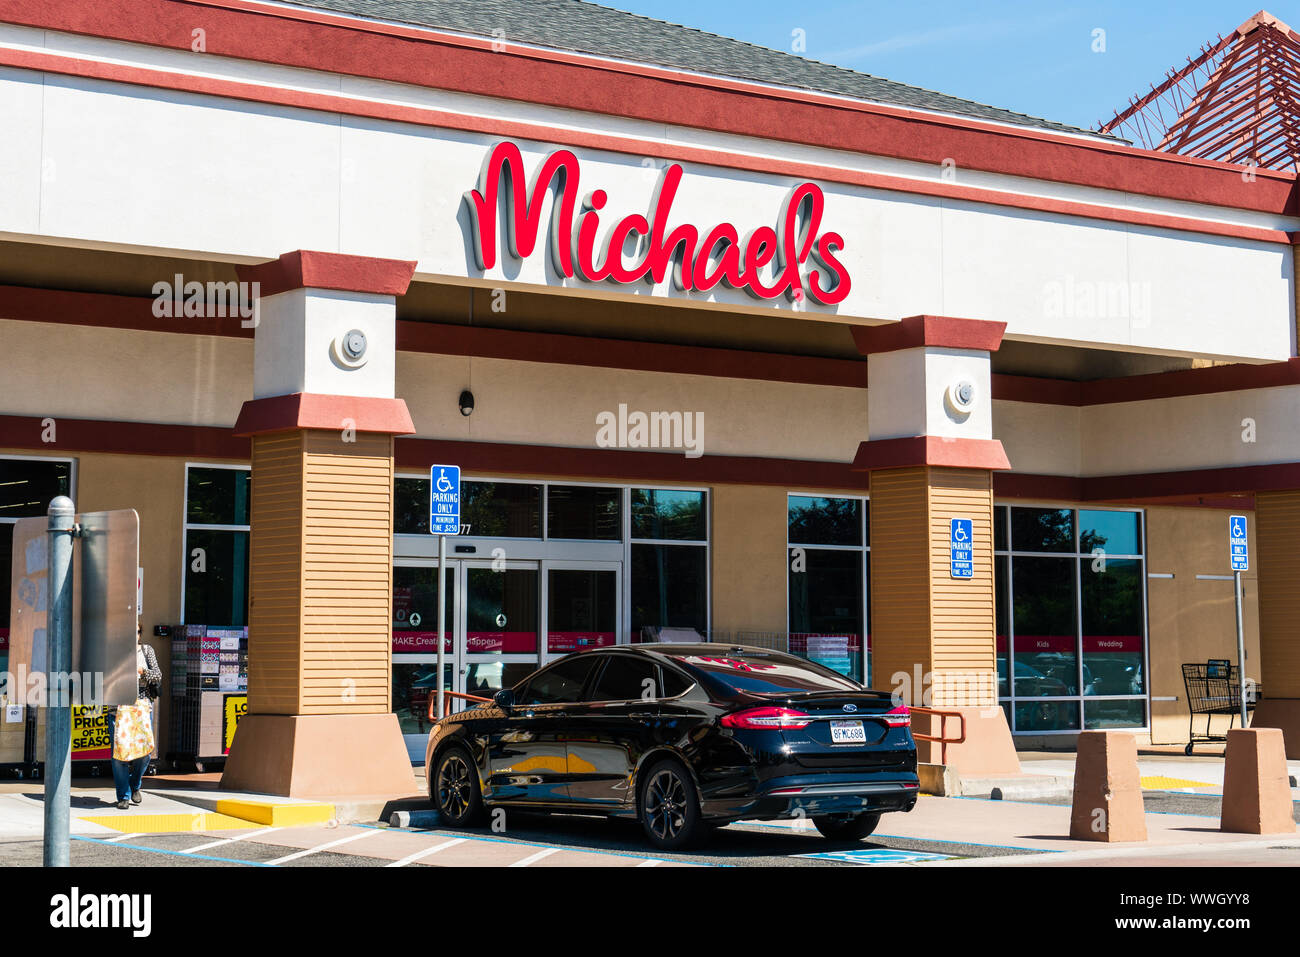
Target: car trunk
847, 731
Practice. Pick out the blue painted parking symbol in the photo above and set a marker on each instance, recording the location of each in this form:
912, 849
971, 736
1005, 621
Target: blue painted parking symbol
878, 855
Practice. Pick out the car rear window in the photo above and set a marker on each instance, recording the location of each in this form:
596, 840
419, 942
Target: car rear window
626, 679
768, 675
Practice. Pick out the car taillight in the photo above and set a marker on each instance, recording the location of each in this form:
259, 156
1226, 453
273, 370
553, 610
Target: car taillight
898, 717
758, 719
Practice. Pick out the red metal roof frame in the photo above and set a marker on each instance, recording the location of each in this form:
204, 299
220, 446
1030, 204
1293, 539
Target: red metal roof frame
1236, 102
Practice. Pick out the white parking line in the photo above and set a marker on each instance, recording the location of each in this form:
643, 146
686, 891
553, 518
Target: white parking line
650, 863
323, 847
230, 840
409, 858
121, 837
534, 858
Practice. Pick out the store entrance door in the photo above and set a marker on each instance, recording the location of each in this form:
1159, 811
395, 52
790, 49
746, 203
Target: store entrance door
491, 634
492, 626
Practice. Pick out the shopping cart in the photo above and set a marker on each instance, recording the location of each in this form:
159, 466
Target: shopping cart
1212, 688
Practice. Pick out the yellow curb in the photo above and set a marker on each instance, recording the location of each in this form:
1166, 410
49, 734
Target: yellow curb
1160, 783
168, 823
277, 815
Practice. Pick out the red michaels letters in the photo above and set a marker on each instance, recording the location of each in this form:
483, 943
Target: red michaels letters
697, 264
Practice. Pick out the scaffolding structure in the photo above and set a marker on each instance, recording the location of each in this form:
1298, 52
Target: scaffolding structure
1235, 102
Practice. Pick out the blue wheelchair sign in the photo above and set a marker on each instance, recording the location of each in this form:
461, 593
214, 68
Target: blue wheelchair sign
444, 499
1238, 550
961, 548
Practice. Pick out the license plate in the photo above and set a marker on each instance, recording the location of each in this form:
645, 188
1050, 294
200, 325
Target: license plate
848, 732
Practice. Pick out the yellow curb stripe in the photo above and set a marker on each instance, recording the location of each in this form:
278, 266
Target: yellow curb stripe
1160, 783
167, 823
272, 814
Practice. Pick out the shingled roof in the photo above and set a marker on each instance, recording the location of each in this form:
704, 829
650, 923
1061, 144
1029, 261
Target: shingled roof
577, 26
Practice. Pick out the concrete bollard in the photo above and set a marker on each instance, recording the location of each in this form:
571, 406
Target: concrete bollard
1256, 785
1107, 802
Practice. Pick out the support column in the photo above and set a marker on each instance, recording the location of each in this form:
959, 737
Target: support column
931, 458
1277, 529
322, 422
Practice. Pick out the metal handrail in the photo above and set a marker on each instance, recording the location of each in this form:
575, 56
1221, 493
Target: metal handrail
943, 740
433, 701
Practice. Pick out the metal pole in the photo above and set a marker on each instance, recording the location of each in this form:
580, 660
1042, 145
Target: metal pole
1241, 646
442, 609
58, 717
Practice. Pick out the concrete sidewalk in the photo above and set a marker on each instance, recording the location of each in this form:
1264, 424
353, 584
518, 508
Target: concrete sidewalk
1050, 775
173, 805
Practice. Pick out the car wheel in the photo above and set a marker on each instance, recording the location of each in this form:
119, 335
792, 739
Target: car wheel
847, 827
455, 790
670, 811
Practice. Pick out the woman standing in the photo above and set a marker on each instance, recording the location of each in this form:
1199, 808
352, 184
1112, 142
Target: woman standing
133, 740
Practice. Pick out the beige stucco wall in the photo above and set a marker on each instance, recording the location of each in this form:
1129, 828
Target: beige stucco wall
554, 404
749, 571
124, 374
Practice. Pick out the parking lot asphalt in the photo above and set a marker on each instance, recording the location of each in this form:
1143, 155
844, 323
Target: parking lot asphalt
527, 840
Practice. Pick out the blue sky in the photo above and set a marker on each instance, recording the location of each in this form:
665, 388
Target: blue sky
1033, 57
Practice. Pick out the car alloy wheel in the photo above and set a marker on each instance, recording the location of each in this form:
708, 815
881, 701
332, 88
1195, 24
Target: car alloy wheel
670, 811
665, 805
456, 790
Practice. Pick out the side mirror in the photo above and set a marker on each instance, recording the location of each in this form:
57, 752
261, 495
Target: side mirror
504, 699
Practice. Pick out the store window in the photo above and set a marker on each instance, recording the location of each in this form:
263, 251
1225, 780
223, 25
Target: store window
216, 545
26, 488
669, 565
1071, 614
828, 571
487, 509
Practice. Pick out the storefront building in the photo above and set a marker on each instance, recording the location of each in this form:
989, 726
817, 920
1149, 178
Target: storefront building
720, 355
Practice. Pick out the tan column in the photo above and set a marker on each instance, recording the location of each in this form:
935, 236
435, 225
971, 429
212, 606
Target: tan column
322, 422
931, 456
1277, 560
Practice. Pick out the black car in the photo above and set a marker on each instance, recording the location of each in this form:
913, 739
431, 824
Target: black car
683, 737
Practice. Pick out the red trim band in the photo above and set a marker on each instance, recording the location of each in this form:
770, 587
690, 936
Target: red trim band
309, 269
348, 106
130, 438
135, 312
1236, 377
946, 332
144, 438
430, 58
308, 410
932, 450
927, 145
483, 342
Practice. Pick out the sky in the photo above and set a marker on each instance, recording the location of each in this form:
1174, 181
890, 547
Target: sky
1044, 58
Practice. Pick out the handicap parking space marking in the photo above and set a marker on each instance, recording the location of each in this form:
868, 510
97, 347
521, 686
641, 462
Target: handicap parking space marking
321, 847
251, 835
419, 855
877, 856
158, 850
536, 845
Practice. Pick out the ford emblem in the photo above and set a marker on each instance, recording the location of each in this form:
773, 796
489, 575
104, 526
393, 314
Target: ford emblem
850, 708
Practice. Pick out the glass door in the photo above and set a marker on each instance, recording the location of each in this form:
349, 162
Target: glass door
582, 606
415, 646
501, 617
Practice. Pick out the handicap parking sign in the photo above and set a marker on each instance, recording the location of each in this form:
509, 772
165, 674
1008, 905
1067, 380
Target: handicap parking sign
444, 499
962, 563
1240, 554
